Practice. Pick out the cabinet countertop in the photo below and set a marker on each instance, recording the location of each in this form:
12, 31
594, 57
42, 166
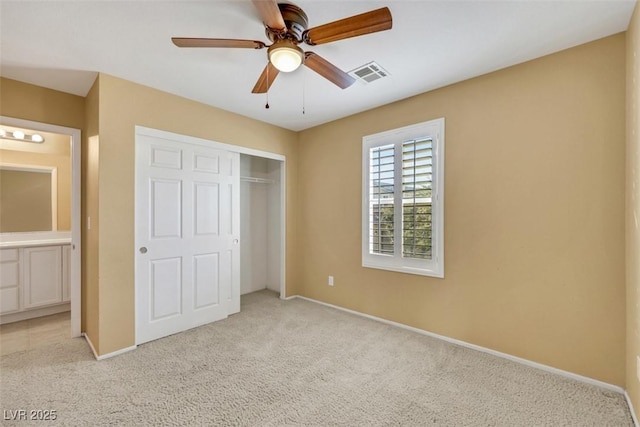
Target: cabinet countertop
23, 240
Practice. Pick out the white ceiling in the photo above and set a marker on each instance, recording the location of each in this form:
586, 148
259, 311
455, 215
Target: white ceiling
61, 45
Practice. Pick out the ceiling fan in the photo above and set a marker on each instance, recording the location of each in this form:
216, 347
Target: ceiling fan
286, 27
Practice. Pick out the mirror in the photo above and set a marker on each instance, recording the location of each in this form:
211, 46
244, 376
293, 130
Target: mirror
28, 199
35, 183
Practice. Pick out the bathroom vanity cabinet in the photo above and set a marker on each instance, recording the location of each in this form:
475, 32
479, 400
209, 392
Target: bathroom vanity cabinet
34, 278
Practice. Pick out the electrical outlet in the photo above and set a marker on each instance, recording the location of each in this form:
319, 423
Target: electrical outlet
638, 367
330, 280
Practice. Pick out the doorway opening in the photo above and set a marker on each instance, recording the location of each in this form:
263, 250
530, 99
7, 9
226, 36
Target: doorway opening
260, 224
41, 254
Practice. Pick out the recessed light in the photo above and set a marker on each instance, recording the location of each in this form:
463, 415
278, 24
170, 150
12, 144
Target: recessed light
18, 134
37, 138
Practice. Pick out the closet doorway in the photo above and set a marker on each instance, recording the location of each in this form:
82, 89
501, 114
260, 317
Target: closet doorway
261, 224
175, 201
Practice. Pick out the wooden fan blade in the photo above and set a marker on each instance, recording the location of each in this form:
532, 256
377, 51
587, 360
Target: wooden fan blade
357, 25
270, 14
327, 70
198, 42
263, 84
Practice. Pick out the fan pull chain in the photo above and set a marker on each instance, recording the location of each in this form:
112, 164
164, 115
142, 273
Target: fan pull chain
267, 104
304, 80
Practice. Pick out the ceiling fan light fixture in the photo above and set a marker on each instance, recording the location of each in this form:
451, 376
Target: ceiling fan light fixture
285, 56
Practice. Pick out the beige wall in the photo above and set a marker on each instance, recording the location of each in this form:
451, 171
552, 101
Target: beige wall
90, 176
29, 102
534, 213
633, 208
62, 163
122, 105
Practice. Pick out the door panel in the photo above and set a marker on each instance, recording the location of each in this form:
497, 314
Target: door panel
206, 163
186, 236
207, 280
165, 288
166, 157
207, 206
232, 272
166, 196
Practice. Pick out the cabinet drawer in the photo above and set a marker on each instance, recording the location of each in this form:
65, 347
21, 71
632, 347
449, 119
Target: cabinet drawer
8, 300
8, 255
9, 274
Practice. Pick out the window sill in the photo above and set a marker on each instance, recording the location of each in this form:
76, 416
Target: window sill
407, 270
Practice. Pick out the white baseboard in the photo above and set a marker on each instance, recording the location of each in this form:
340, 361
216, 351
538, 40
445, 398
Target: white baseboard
31, 314
88, 340
516, 359
108, 355
633, 412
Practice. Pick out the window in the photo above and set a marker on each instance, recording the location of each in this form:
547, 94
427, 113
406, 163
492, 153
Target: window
403, 199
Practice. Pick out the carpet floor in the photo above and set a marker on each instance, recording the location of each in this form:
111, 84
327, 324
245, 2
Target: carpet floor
290, 363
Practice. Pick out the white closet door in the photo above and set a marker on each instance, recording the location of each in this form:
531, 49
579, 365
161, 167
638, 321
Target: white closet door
187, 231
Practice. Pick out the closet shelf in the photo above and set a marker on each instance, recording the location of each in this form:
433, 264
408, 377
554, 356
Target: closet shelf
256, 180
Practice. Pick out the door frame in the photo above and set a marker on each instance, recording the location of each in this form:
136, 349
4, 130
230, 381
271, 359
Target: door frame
76, 195
142, 130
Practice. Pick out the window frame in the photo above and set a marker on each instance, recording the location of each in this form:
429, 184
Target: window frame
434, 267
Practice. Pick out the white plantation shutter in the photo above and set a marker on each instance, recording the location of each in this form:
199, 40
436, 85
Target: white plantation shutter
381, 194
417, 180
403, 203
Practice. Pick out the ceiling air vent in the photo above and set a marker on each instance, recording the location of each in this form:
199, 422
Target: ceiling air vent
369, 72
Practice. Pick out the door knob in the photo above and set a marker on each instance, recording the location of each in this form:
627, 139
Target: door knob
143, 250
235, 241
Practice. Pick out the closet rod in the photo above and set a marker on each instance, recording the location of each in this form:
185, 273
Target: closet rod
256, 180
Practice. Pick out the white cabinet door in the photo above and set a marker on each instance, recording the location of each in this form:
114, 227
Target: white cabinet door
187, 231
66, 273
9, 280
42, 276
